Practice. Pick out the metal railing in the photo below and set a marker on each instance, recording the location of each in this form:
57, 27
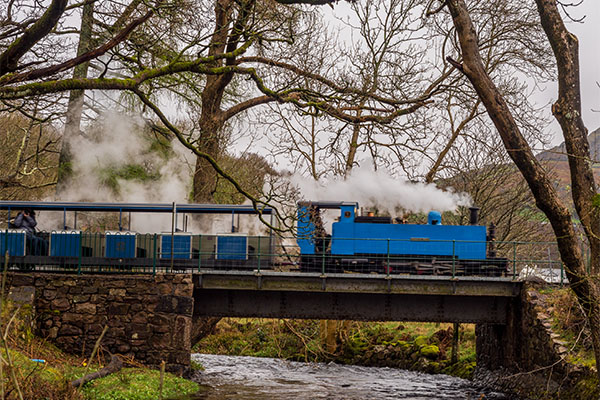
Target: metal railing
126, 252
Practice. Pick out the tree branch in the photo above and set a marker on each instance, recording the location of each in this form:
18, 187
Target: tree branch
245, 105
90, 55
257, 204
338, 88
10, 58
115, 365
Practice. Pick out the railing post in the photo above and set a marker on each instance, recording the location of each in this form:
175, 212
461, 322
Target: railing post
80, 250
258, 237
6, 251
514, 260
323, 262
388, 257
453, 258
199, 252
561, 274
154, 256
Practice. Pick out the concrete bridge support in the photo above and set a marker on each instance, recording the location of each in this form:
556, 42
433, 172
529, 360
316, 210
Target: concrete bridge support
148, 317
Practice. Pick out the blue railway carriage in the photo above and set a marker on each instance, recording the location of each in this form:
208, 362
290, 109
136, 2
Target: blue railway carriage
132, 251
377, 244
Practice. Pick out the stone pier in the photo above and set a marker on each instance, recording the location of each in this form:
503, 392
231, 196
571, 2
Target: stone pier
148, 317
525, 357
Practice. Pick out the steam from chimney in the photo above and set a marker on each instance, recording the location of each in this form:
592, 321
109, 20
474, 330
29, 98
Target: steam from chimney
381, 190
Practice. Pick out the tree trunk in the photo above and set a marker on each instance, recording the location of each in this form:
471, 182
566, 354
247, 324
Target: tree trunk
211, 122
567, 111
519, 150
76, 99
205, 176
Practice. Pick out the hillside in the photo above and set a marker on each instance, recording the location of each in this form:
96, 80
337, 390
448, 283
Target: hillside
556, 161
559, 153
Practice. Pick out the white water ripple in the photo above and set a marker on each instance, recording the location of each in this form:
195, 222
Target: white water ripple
245, 378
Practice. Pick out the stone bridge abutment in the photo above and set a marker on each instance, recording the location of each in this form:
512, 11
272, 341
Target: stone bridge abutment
149, 318
525, 356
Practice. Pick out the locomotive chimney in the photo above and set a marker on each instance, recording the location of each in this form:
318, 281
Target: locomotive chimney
474, 216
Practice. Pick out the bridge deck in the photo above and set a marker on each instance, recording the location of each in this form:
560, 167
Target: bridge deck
353, 296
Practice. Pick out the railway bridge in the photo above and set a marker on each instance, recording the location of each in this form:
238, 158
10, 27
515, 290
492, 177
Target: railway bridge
365, 297
153, 317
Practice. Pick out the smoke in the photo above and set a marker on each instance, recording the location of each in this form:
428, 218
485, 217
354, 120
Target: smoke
223, 223
121, 142
117, 143
380, 190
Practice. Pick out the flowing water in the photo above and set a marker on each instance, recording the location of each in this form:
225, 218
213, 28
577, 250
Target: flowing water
246, 378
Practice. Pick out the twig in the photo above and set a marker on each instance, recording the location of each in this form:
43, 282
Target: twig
93, 354
162, 379
115, 365
9, 361
302, 338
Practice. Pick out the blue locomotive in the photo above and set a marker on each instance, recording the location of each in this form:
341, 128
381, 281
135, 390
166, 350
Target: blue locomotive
377, 244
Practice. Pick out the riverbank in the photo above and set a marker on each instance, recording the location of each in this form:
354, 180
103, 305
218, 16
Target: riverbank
35, 369
48, 376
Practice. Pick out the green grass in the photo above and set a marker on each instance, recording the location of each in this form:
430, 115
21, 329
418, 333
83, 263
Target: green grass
51, 380
135, 384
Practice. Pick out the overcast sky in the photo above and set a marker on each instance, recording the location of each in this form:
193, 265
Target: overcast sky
588, 33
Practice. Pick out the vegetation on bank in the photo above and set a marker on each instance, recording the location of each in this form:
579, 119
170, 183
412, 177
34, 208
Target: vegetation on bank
51, 380
136, 384
35, 369
414, 346
569, 322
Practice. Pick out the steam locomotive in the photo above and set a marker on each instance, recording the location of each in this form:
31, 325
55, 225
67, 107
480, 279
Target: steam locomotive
372, 243
367, 244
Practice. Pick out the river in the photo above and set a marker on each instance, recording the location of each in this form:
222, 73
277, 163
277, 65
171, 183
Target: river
249, 378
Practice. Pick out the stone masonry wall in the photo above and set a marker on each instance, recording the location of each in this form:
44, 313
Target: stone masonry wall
525, 356
148, 317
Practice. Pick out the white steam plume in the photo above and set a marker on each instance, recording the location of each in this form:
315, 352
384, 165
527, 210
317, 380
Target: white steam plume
381, 190
121, 143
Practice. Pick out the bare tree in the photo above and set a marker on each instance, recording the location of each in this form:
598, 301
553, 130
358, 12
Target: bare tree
567, 110
28, 156
387, 40
244, 55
